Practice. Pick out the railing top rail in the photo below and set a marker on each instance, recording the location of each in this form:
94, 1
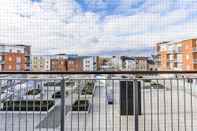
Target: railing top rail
129, 79
94, 79
35, 79
96, 72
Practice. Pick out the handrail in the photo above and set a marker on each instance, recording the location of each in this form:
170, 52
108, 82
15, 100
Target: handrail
96, 72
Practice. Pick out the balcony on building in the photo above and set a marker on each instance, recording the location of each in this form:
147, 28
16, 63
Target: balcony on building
194, 49
194, 61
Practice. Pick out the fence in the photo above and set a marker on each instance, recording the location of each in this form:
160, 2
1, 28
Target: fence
104, 102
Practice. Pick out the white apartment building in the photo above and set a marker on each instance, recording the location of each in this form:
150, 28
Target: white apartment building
130, 65
89, 63
41, 63
116, 63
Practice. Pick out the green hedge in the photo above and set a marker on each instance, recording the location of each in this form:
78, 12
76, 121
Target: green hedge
29, 105
80, 105
70, 83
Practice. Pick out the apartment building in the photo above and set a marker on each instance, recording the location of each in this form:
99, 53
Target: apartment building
128, 63
89, 63
75, 64
141, 63
15, 57
59, 62
41, 62
116, 63
179, 55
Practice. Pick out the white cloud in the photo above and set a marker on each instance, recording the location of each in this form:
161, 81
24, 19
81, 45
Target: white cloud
60, 25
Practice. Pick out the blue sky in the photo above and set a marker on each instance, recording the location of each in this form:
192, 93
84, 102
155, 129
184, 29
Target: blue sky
96, 26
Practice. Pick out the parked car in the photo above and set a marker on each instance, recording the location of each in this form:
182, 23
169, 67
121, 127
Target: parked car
154, 86
157, 86
124, 76
139, 76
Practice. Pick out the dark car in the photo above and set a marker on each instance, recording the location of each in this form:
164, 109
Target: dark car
124, 76
157, 86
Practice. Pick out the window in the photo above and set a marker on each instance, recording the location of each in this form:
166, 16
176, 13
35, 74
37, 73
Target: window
71, 62
10, 58
9, 67
18, 59
187, 57
18, 67
188, 67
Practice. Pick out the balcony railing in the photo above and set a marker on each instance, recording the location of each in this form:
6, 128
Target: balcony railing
97, 101
194, 61
194, 49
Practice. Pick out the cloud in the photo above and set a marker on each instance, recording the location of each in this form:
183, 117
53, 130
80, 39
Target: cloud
95, 26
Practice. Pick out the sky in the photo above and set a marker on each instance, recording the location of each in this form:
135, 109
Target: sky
96, 27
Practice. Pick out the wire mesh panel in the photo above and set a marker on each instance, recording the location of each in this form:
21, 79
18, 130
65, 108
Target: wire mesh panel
161, 105
30, 105
98, 104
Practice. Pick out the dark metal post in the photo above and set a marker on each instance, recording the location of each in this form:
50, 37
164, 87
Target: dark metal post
136, 104
62, 103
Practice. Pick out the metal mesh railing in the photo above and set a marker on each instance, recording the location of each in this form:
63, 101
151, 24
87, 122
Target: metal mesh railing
110, 103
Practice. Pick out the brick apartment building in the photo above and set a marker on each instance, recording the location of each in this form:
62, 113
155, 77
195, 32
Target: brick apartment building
180, 55
15, 57
59, 62
75, 64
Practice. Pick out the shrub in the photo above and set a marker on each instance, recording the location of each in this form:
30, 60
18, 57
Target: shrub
80, 105
28, 105
34, 92
147, 80
88, 88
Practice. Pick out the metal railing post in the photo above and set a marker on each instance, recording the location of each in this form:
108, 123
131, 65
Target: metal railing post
62, 104
136, 104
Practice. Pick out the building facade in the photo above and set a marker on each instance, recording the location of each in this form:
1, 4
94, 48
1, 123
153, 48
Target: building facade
75, 64
41, 63
89, 63
15, 57
59, 62
128, 63
180, 55
116, 63
141, 63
